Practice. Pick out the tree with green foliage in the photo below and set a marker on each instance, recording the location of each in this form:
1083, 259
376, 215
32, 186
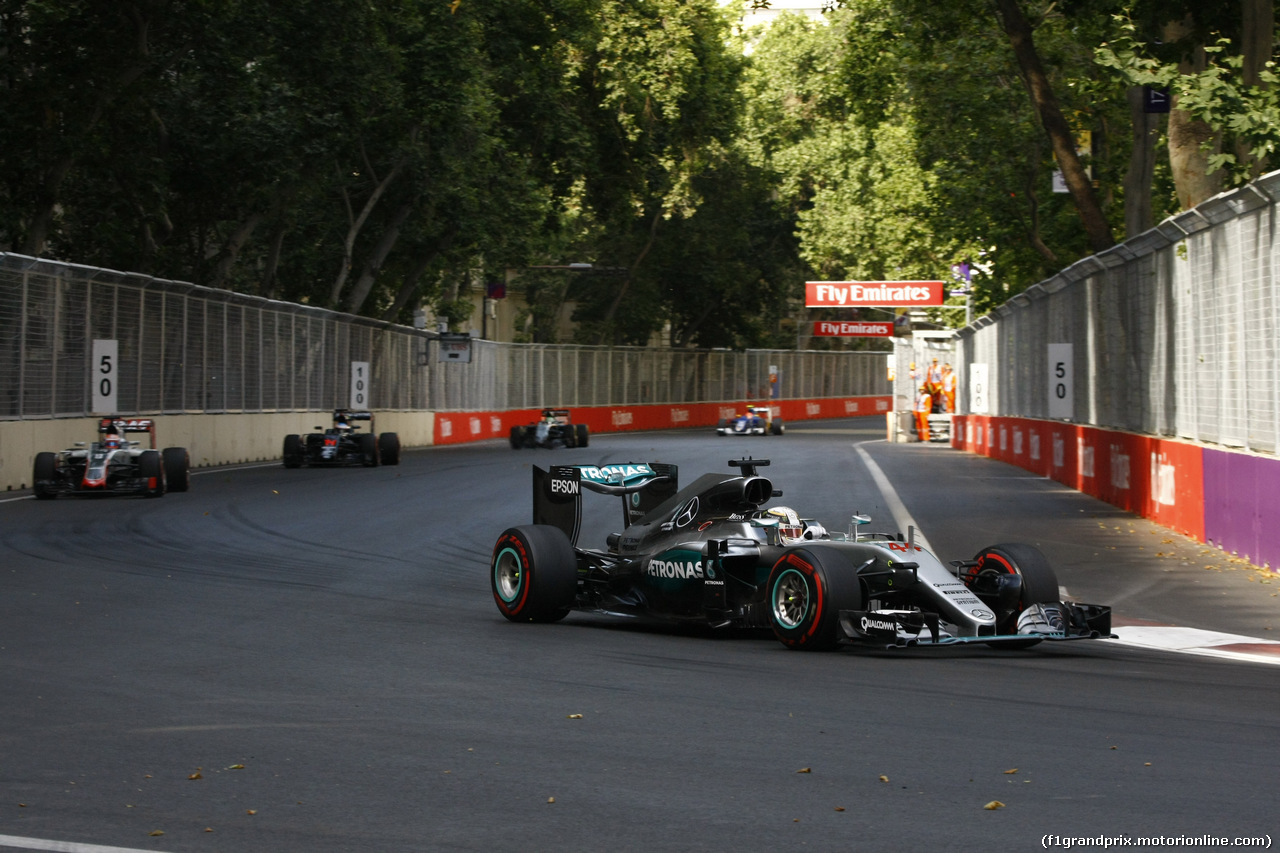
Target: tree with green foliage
376, 158
1215, 61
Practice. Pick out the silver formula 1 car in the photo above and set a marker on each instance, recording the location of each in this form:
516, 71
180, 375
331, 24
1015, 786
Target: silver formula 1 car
113, 465
712, 554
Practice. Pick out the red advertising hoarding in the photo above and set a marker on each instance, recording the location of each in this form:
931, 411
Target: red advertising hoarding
845, 294
853, 329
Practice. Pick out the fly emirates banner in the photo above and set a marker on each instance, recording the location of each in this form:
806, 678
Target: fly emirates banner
848, 294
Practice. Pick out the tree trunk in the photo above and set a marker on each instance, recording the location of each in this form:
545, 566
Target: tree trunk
410, 287
1138, 213
626, 282
1191, 142
1257, 33
373, 265
231, 251
1046, 105
356, 224
1033, 208
267, 287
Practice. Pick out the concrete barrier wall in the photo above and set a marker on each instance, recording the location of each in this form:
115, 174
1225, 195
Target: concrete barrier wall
228, 439
224, 439
1221, 497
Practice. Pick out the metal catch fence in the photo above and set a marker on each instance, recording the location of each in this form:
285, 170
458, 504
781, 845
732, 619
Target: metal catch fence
1172, 333
186, 348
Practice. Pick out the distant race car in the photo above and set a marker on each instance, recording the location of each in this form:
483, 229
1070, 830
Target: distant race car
342, 444
113, 465
756, 420
711, 554
554, 429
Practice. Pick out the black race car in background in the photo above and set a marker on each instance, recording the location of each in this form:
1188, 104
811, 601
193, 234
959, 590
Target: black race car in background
554, 428
342, 444
113, 465
711, 554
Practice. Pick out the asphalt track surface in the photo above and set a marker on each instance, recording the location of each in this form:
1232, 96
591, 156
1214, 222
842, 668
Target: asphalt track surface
311, 660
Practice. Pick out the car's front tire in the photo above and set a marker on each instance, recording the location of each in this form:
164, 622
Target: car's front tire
1038, 583
293, 451
368, 444
582, 433
151, 472
517, 437
389, 448
43, 473
808, 587
177, 469
533, 573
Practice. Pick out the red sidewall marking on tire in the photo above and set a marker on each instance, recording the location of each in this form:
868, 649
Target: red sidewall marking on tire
522, 554
808, 571
976, 570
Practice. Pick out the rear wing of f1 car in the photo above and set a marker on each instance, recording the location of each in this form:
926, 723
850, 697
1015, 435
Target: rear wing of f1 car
346, 416
121, 426
557, 494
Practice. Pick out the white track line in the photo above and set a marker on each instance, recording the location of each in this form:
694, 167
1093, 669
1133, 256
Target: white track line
900, 515
1193, 641
64, 846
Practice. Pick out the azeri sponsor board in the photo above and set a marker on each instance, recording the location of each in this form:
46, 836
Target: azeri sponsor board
852, 329
844, 294
1163, 479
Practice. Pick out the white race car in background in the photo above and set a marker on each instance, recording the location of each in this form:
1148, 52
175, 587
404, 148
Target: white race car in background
113, 465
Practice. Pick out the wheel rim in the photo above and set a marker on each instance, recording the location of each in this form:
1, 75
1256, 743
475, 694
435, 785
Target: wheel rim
790, 599
508, 575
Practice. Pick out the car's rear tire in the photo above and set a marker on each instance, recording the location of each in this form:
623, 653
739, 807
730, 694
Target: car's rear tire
1038, 581
368, 444
389, 448
777, 428
582, 433
293, 451
533, 573
43, 473
808, 587
516, 437
177, 469
151, 472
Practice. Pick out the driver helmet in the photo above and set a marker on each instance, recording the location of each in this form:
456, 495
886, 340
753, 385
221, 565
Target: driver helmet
790, 528
111, 441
